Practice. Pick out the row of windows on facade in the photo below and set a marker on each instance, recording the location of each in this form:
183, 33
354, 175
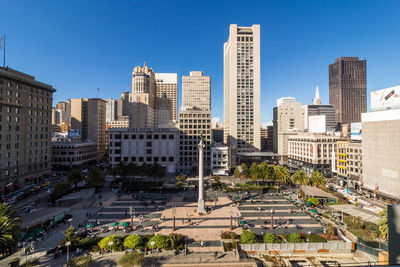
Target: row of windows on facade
73, 159
30, 168
194, 126
79, 152
142, 159
24, 88
141, 136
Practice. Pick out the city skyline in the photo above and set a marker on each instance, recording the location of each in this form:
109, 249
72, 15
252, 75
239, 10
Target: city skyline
104, 56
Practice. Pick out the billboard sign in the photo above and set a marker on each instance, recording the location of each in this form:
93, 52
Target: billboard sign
356, 131
317, 124
345, 130
385, 98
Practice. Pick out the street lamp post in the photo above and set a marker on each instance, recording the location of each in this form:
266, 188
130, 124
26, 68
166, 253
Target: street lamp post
272, 218
231, 213
68, 243
173, 213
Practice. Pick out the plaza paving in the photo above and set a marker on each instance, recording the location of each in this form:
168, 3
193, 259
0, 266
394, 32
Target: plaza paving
253, 209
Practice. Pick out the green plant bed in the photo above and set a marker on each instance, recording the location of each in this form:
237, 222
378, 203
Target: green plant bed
81, 261
294, 238
230, 235
228, 246
271, 238
131, 259
88, 242
314, 238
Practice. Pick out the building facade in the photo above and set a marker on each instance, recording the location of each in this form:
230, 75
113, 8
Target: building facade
164, 110
348, 89
25, 128
143, 98
349, 163
89, 116
167, 86
147, 145
288, 118
381, 152
222, 159
72, 153
196, 91
242, 88
194, 123
311, 152
267, 138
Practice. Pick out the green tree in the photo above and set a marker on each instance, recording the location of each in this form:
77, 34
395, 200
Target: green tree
294, 238
236, 174
158, 171
282, 174
271, 238
59, 191
104, 243
131, 259
114, 171
74, 177
317, 179
95, 178
254, 172
9, 229
181, 177
263, 168
244, 169
248, 237
133, 242
177, 241
313, 200
160, 242
383, 224
69, 234
300, 177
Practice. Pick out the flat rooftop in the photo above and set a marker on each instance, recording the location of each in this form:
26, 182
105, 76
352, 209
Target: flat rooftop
352, 210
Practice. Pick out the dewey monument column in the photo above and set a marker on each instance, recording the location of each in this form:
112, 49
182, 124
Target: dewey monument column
200, 207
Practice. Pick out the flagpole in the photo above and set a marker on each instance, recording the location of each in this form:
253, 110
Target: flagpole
4, 52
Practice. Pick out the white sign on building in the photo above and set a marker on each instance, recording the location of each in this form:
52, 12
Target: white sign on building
356, 131
385, 98
317, 124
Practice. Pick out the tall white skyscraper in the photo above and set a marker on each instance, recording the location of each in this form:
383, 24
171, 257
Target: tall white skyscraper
242, 88
196, 91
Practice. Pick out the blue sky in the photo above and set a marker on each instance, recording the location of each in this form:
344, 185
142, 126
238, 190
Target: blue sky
78, 46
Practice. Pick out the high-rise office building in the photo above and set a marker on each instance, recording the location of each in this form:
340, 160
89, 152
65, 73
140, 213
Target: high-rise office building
194, 122
348, 89
318, 109
25, 128
242, 88
167, 87
89, 116
196, 91
143, 98
267, 138
288, 119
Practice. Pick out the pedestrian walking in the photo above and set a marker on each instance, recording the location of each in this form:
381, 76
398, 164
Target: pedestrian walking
201, 243
215, 255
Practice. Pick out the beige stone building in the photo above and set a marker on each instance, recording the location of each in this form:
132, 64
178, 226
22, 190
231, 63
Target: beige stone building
192, 122
381, 152
143, 98
242, 88
70, 154
25, 128
196, 91
311, 152
167, 86
89, 116
288, 118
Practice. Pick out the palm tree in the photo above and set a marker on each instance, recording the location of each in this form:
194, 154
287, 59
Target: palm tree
95, 177
9, 230
263, 167
244, 168
74, 177
317, 179
383, 224
300, 177
282, 174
